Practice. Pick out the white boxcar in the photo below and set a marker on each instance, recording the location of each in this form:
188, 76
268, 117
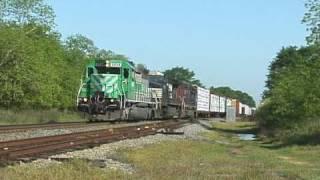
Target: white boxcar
222, 107
229, 102
203, 99
242, 109
248, 110
214, 103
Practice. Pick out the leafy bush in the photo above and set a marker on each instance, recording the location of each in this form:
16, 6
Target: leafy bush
293, 99
37, 116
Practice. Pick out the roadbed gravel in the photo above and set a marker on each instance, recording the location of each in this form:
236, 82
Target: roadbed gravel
60, 131
105, 155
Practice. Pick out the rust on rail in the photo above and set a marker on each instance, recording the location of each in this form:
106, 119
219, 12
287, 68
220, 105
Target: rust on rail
45, 146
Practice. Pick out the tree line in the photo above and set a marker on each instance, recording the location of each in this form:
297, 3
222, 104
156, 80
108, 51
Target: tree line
291, 105
39, 69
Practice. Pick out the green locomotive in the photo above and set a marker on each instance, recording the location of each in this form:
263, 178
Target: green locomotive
113, 89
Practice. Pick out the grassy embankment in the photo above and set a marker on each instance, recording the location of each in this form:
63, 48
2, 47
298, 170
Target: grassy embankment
11, 117
221, 156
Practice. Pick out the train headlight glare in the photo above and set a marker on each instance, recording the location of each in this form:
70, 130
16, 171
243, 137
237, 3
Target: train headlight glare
112, 100
85, 99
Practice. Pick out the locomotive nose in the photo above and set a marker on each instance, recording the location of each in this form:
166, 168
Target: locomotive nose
106, 83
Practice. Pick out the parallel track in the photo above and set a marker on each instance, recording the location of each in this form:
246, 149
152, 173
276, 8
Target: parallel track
46, 146
27, 127
65, 125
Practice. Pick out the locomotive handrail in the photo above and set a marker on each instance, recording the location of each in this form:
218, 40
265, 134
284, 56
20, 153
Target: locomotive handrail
124, 95
81, 85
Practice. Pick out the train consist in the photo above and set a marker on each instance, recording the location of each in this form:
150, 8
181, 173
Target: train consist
115, 90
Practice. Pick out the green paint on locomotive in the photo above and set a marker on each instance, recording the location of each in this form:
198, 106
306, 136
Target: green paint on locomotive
116, 79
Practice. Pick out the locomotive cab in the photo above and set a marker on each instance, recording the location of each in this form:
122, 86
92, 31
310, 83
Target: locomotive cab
106, 84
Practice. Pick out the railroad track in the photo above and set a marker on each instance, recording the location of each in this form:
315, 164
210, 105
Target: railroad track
11, 151
27, 127
65, 125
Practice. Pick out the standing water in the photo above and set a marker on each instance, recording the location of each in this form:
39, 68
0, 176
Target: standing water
247, 137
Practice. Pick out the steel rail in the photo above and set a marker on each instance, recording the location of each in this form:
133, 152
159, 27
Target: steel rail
45, 146
65, 125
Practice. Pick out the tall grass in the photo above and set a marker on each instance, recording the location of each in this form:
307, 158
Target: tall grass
288, 130
37, 116
302, 134
74, 170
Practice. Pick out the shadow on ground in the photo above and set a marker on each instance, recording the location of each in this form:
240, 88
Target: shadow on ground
296, 140
245, 129
241, 130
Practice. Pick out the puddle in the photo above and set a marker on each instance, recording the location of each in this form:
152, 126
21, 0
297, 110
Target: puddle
247, 137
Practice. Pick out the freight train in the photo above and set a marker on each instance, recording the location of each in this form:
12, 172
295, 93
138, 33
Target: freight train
114, 90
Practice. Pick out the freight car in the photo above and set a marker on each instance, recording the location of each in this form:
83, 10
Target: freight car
214, 105
203, 102
242, 110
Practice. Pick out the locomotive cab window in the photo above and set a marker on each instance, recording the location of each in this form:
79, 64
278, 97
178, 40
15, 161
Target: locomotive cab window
108, 70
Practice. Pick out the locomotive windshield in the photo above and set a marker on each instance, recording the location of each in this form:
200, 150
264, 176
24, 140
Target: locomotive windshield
108, 70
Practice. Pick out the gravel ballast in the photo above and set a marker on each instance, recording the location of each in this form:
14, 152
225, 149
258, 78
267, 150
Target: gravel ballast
106, 153
60, 131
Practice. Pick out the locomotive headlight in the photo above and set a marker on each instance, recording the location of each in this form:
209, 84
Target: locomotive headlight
107, 63
112, 100
85, 100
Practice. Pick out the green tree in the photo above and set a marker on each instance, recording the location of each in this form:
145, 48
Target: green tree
81, 45
30, 69
284, 59
25, 12
104, 54
33, 62
37, 69
108, 54
294, 99
180, 75
312, 20
33, 16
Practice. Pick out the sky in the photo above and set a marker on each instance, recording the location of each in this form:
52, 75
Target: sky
225, 42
